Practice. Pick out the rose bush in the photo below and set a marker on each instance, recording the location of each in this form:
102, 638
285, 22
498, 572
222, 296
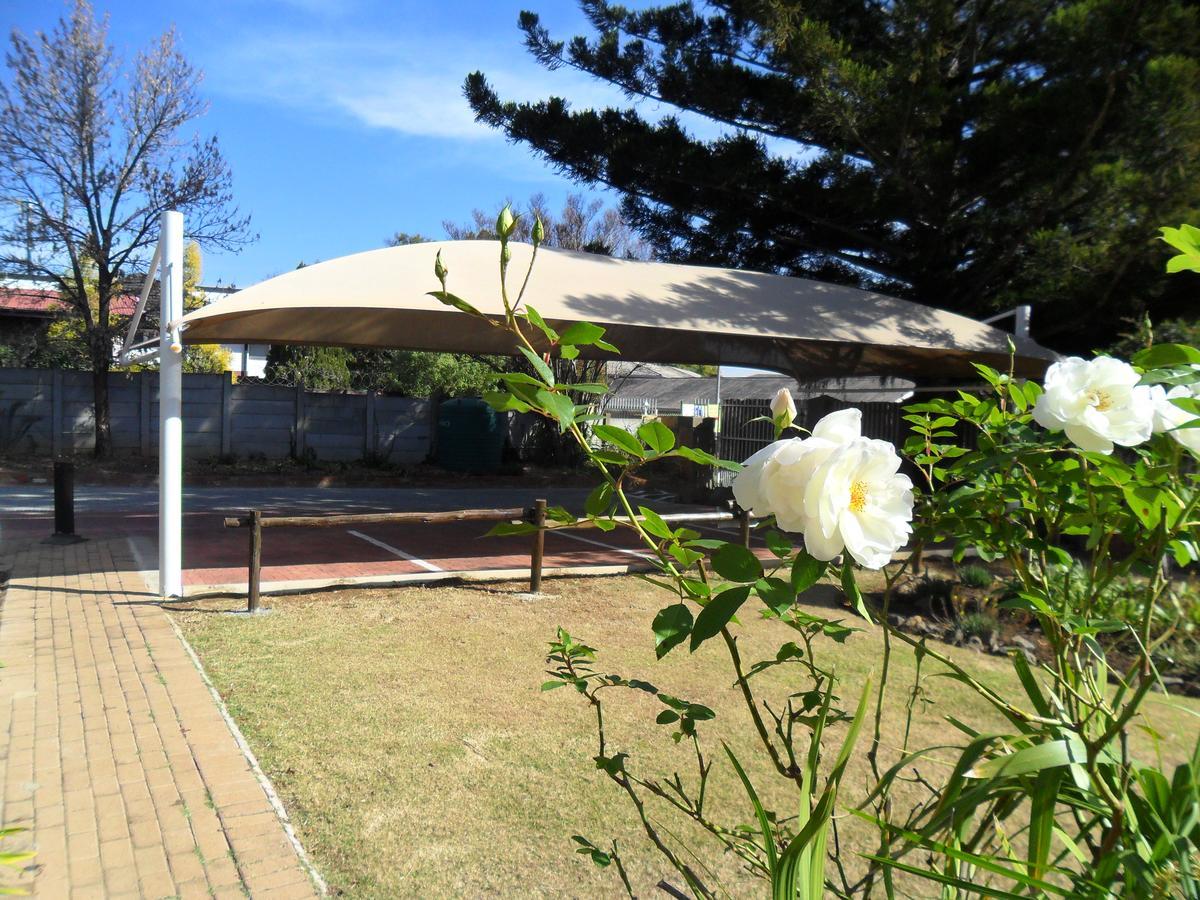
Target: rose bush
1054, 802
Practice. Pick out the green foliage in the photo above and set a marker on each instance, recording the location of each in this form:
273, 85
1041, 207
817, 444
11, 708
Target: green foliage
908, 127
1185, 239
975, 575
317, 368
978, 624
416, 373
1051, 802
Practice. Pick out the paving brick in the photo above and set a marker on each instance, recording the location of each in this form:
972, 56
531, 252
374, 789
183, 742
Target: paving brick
112, 745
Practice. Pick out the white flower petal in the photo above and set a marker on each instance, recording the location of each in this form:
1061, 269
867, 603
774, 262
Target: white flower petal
839, 427
1086, 439
821, 547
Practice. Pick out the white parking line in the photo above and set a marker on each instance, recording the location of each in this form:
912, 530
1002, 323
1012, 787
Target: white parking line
415, 560
576, 537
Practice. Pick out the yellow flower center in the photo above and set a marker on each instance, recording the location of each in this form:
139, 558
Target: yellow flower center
858, 496
1101, 400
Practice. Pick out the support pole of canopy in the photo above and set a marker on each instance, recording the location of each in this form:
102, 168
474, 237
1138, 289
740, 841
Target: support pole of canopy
170, 410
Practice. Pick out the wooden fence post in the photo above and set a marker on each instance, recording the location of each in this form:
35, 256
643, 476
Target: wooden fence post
255, 560
539, 547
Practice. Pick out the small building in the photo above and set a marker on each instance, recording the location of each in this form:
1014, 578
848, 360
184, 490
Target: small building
28, 307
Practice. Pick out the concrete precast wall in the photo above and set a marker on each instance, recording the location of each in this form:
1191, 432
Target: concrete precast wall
47, 411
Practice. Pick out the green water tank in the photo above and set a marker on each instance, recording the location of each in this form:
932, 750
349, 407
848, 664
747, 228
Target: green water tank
470, 436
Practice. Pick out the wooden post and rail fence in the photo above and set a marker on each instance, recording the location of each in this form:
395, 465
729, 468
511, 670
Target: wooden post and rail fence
255, 521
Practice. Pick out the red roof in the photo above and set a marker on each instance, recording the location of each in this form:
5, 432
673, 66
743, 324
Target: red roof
46, 302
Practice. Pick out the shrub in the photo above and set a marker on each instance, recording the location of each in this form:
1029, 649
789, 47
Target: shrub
1051, 802
975, 575
978, 624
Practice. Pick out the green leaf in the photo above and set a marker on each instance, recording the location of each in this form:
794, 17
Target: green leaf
606, 346
776, 593
1050, 755
806, 571
619, 437
1162, 356
568, 351
539, 365
457, 302
703, 458
585, 387
777, 543
764, 821
1146, 503
658, 437
735, 563
671, 627
653, 523
559, 406
853, 594
580, 333
551, 685
519, 378
538, 322
666, 717
1185, 240
600, 500
502, 401
717, 613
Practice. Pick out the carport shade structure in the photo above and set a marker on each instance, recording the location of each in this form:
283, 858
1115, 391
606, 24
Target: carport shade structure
653, 312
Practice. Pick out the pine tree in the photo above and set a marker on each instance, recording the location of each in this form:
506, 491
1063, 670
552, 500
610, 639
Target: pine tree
969, 154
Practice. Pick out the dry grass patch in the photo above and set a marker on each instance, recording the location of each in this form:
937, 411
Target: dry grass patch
405, 730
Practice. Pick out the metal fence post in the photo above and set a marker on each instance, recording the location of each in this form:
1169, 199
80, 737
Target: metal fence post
255, 560
64, 498
170, 410
539, 546
744, 527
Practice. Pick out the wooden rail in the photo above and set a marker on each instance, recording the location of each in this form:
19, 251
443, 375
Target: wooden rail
423, 518
255, 521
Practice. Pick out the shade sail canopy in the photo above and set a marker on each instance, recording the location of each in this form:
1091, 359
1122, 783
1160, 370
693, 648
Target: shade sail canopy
654, 312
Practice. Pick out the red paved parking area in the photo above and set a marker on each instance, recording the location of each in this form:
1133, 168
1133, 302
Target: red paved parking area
218, 556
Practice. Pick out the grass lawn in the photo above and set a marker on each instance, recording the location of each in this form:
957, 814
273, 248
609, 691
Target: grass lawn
405, 730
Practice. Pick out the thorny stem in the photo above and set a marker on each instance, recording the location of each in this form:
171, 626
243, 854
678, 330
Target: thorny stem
787, 771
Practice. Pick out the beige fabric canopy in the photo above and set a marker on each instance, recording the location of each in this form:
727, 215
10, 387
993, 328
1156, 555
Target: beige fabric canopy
654, 312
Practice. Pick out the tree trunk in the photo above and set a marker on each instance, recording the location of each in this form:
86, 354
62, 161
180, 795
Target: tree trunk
101, 361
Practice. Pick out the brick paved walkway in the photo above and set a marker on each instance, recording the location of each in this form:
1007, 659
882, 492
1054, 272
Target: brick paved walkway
112, 750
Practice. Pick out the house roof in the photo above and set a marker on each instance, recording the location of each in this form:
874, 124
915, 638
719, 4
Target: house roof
45, 303
658, 312
623, 368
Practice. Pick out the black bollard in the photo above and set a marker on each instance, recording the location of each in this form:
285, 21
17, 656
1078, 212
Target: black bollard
64, 499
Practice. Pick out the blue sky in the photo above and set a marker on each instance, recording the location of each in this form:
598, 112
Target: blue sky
343, 120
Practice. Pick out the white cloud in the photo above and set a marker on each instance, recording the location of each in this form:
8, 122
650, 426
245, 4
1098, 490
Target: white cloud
409, 86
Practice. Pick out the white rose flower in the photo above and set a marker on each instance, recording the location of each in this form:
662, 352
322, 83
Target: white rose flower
840, 490
1097, 403
784, 405
774, 478
1168, 417
857, 499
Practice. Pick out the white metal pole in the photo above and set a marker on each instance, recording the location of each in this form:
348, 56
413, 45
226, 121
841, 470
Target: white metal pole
170, 411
